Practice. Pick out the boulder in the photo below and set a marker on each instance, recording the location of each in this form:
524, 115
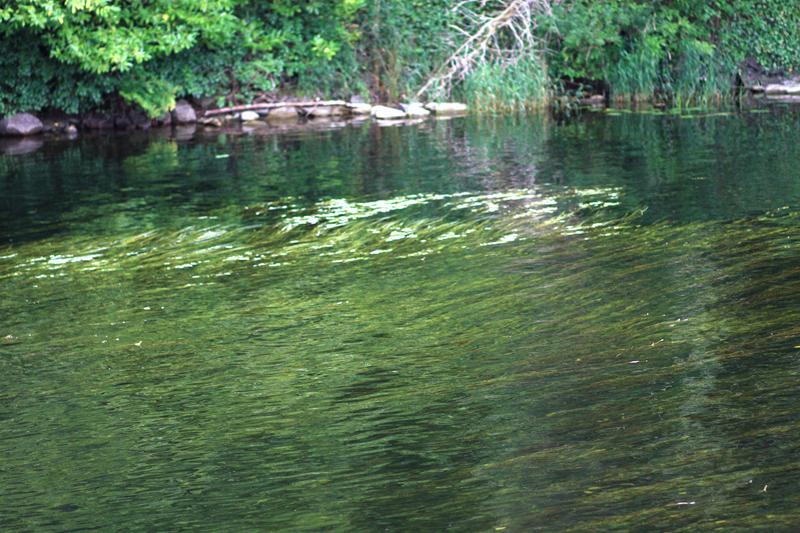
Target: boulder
283, 113
755, 77
20, 125
139, 120
211, 122
249, 116
326, 111
415, 110
164, 120
382, 112
785, 87
593, 100
357, 108
184, 113
446, 108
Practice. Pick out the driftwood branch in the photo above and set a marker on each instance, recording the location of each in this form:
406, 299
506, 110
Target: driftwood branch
503, 36
256, 107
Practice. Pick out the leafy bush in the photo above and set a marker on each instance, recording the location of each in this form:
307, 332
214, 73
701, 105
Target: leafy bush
149, 53
76, 55
765, 30
686, 49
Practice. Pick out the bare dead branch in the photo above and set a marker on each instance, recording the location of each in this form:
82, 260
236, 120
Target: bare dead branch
505, 36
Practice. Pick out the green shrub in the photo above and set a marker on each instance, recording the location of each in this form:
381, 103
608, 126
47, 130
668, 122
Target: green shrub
75, 55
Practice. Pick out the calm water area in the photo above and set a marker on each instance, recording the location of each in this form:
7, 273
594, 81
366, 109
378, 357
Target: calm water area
479, 324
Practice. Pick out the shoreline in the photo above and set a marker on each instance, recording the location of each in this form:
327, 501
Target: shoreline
22, 125
755, 87
60, 127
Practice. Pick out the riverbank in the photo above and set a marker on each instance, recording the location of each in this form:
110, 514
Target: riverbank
185, 113
186, 121
25, 132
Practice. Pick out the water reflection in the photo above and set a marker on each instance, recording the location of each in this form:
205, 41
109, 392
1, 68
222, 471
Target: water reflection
21, 146
462, 325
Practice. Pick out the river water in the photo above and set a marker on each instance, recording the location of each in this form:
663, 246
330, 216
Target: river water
508, 324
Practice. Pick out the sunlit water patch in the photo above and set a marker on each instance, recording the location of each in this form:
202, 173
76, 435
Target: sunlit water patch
470, 326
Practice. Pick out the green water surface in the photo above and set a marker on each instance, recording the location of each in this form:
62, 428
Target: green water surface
514, 324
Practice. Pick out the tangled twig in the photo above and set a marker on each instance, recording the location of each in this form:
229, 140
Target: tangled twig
505, 34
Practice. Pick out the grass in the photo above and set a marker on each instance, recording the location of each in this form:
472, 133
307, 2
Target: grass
699, 77
494, 87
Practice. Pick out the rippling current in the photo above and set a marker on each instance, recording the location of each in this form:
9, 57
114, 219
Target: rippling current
470, 325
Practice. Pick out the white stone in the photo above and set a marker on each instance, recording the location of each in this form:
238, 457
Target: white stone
786, 87
446, 108
415, 110
20, 124
283, 113
183, 113
211, 122
248, 116
382, 112
359, 108
326, 111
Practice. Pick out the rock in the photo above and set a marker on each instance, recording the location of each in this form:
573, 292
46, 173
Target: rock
20, 146
184, 113
139, 120
357, 99
594, 100
446, 108
249, 116
785, 87
283, 113
164, 120
98, 121
415, 110
211, 122
359, 108
755, 77
71, 131
21, 124
327, 111
382, 112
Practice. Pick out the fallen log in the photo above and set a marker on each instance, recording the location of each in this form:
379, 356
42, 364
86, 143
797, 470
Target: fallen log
273, 105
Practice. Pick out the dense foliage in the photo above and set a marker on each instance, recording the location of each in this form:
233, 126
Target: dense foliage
684, 48
151, 52
74, 55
